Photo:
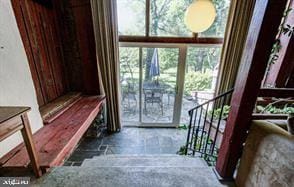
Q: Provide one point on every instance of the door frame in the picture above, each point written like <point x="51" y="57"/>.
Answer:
<point x="179" y="82"/>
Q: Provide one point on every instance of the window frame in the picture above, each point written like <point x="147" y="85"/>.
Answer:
<point x="194" y="39"/>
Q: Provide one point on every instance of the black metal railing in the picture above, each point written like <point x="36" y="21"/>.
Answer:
<point x="207" y="122"/>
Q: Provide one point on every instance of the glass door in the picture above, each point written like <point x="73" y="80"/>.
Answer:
<point x="151" y="79"/>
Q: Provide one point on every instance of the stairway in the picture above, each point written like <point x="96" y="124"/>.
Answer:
<point x="133" y="170"/>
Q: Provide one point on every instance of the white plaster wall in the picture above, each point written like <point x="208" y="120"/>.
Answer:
<point x="16" y="84"/>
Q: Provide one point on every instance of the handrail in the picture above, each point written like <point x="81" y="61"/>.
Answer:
<point x="204" y="137"/>
<point x="213" y="99"/>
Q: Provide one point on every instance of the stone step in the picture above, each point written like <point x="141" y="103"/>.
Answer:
<point x="128" y="176"/>
<point x="144" y="161"/>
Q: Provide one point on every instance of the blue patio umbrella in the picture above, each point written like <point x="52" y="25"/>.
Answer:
<point x="154" y="66"/>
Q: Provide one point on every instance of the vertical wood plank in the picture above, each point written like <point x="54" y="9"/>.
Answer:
<point x="24" y="29"/>
<point x="39" y="31"/>
<point x="86" y="43"/>
<point x="262" y="32"/>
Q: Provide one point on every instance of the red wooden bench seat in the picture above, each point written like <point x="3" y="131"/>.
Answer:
<point x="55" y="141"/>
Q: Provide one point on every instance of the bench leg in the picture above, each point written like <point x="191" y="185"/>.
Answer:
<point x="28" y="140"/>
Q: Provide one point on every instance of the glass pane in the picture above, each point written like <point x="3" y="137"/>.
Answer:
<point x="160" y="66"/>
<point x="200" y="78"/>
<point x="129" y="83"/>
<point x="219" y="26"/>
<point x="167" y="18"/>
<point x="131" y="17"/>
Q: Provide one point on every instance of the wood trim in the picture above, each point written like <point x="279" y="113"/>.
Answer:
<point x="237" y="27"/>
<point x="276" y="92"/>
<point x="153" y="39"/>
<point x="269" y="116"/>
<point x="195" y="35"/>
<point x="263" y="28"/>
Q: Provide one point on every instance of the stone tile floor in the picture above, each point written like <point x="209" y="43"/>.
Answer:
<point x="130" y="140"/>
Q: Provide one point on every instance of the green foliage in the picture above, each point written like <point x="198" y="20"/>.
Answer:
<point x="182" y="150"/>
<point x="210" y="159"/>
<point x="285" y="29"/>
<point x="196" y="81"/>
<point x="202" y="58"/>
<point x="183" y="126"/>
<point x="275" y="110"/>
<point x="217" y="112"/>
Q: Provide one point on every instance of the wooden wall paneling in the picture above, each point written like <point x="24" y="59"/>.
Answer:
<point x="44" y="66"/>
<point x="70" y="47"/>
<point x="24" y="30"/>
<point x="58" y="47"/>
<point x="39" y="34"/>
<point x="49" y="36"/>
<point x="86" y="42"/>
<point x="261" y="37"/>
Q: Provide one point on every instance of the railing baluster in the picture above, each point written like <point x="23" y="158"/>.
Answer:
<point x="197" y="130"/>
<point x="203" y="128"/>
<point x="193" y="133"/>
<point x="209" y="129"/>
<point x="189" y="130"/>
<point x="218" y="123"/>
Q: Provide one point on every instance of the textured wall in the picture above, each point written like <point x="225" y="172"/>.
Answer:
<point x="16" y="84"/>
<point x="267" y="160"/>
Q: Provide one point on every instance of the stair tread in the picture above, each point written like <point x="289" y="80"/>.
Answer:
<point x="141" y="161"/>
<point x="129" y="176"/>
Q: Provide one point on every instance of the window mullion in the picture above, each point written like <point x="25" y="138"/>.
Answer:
<point x="147" y="18"/>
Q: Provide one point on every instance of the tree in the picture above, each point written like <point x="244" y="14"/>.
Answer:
<point x="167" y="19"/>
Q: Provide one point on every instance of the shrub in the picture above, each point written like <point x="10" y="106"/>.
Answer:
<point x="196" y="81"/>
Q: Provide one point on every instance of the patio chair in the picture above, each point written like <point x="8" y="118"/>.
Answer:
<point x="153" y="96"/>
<point x="129" y="93"/>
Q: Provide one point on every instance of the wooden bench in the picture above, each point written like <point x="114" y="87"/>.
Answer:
<point x="56" y="141"/>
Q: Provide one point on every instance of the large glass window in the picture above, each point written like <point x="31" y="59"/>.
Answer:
<point x="167" y="18"/>
<point x="219" y="26"/>
<point x="131" y="17"/>
<point x="201" y="72"/>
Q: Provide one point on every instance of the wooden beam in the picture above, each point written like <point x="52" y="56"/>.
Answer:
<point x="287" y="66"/>
<point x="269" y="116"/>
<point x="280" y="71"/>
<point x="261" y="37"/>
<point x="276" y="92"/>
<point x="154" y="39"/>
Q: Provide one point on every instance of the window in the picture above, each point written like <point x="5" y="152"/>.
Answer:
<point x="131" y="16"/>
<point x="200" y="77"/>
<point x="219" y="26"/>
<point x="165" y="18"/>
<point x="153" y="34"/>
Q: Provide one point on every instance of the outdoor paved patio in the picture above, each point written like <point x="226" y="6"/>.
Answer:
<point x="153" y="114"/>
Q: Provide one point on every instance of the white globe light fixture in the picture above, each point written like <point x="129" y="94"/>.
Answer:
<point x="200" y="15"/>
